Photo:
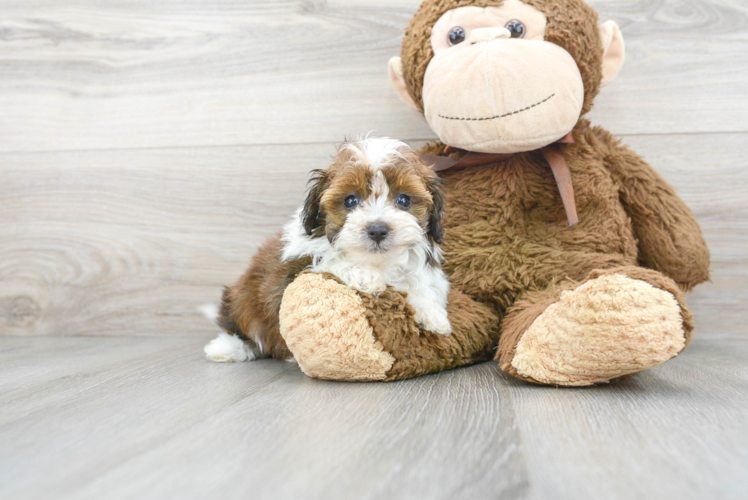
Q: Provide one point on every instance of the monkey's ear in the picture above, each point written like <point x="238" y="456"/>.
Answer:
<point x="398" y="81"/>
<point x="614" y="51"/>
<point x="310" y="214"/>
<point x="435" y="231"/>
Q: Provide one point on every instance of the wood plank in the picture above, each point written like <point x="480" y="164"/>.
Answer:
<point x="133" y="242"/>
<point x="668" y="43"/>
<point x="677" y="431"/>
<point x="100" y="75"/>
<point x="201" y="427"/>
<point x="150" y="418"/>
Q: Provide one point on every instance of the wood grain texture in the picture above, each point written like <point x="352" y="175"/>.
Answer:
<point x="147" y="149"/>
<point x="133" y="242"/>
<point x="98" y="75"/>
<point x="129" y="242"/>
<point x="678" y="432"/>
<point x="150" y="418"/>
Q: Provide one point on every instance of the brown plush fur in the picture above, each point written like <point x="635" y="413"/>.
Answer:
<point x="506" y="235"/>
<point x="250" y="307"/>
<point x="508" y="247"/>
<point x="475" y="332"/>
<point x="506" y="231"/>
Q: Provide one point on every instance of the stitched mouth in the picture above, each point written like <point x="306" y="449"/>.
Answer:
<point x="499" y="116"/>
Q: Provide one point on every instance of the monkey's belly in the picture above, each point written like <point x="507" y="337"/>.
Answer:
<point x="506" y="230"/>
<point x="496" y="263"/>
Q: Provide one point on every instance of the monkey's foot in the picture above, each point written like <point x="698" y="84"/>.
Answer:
<point x="610" y="326"/>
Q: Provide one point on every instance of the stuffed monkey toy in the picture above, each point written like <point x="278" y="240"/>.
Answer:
<point x="568" y="255"/>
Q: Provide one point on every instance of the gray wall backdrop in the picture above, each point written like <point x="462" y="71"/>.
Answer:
<point x="147" y="148"/>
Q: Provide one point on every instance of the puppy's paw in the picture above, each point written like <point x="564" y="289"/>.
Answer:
<point x="433" y="318"/>
<point x="228" y="349"/>
<point x="365" y="280"/>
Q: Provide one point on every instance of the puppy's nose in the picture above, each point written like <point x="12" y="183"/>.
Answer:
<point x="378" y="231"/>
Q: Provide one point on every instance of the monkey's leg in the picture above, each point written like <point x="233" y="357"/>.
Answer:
<point x="616" y="322"/>
<point x="337" y="333"/>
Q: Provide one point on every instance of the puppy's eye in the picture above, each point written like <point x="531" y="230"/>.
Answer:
<point x="457" y="35"/>
<point x="351" y="201"/>
<point x="516" y="28"/>
<point x="403" y="201"/>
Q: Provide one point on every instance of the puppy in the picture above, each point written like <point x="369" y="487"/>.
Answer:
<point x="373" y="219"/>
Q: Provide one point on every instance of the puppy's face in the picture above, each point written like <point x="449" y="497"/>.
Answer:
<point x="377" y="197"/>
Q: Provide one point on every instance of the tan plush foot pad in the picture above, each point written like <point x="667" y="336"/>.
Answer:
<point x="608" y="327"/>
<point x="325" y="325"/>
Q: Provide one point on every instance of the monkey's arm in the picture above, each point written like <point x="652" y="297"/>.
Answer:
<point x="670" y="239"/>
<point x="337" y="333"/>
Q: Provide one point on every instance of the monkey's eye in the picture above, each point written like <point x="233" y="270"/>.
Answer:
<point x="403" y="201"/>
<point x="456" y="35"/>
<point x="516" y="28"/>
<point x="351" y="201"/>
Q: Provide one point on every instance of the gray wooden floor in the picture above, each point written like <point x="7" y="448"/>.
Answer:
<point x="149" y="418"/>
<point x="148" y="148"/>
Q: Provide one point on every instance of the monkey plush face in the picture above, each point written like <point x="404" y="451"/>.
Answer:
<point x="505" y="76"/>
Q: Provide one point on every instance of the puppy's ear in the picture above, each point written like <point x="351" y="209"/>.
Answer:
<point x="435" y="231"/>
<point x="310" y="214"/>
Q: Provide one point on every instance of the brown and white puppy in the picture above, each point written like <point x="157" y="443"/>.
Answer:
<point x="373" y="219"/>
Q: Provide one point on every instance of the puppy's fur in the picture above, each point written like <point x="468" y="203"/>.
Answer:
<point x="372" y="219"/>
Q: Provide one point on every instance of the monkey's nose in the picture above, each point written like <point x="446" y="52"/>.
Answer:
<point x="487" y="34"/>
<point x="378" y="231"/>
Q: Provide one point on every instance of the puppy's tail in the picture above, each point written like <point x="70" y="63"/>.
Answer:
<point x="210" y="312"/>
<point x="221" y="314"/>
<point x="225" y="319"/>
